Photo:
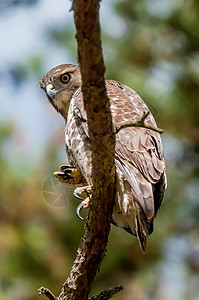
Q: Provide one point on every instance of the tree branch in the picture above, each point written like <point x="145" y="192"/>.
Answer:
<point x="107" y="294"/>
<point x="44" y="291"/>
<point x="92" y="247"/>
<point x="140" y="123"/>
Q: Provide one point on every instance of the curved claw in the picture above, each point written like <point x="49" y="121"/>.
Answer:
<point x="68" y="167"/>
<point x="76" y="195"/>
<point x="67" y="176"/>
<point x="62" y="175"/>
<point x="78" y="210"/>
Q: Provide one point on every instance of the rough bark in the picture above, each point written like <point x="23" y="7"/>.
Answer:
<point x="93" y="245"/>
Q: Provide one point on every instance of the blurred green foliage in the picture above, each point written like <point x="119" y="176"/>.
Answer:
<point x="154" y="48"/>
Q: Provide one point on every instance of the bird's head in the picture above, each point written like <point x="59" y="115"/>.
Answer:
<point x="60" y="83"/>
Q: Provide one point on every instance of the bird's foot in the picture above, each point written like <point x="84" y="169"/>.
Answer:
<point x="68" y="174"/>
<point x="85" y="202"/>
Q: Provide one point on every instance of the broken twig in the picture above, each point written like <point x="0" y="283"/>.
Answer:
<point x="44" y="291"/>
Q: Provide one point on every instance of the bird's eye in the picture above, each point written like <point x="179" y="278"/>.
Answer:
<point x="65" y="77"/>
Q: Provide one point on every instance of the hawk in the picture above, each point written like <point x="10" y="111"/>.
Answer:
<point x="140" y="166"/>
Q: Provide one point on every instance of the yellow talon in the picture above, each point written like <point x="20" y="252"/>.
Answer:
<point x="56" y="175"/>
<point x="69" y="174"/>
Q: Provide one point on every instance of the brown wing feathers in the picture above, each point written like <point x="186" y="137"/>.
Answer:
<point x="138" y="154"/>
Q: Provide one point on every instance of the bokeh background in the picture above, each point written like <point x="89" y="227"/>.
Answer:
<point x="150" y="45"/>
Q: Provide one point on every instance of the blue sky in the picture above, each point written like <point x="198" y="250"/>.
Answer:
<point x="23" y="35"/>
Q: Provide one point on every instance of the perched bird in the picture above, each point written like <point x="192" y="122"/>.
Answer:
<point x="140" y="166"/>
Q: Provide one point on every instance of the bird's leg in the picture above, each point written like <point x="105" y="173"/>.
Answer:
<point x="69" y="174"/>
<point x="85" y="203"/>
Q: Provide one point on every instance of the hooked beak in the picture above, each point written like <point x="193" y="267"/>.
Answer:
<point x="50" y="91"/>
